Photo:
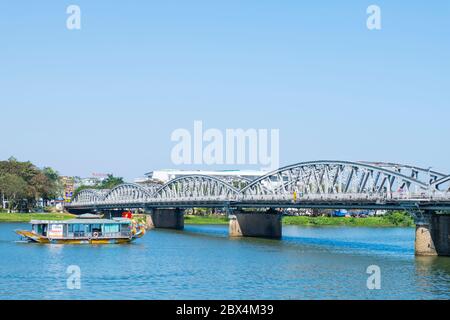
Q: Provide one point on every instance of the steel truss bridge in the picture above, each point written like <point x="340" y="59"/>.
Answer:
<point x="315" y="184"/>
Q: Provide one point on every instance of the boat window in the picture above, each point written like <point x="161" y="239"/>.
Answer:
<point x="78" y="227"/>
<point x="124" y="227"/>
<point x="96" y="228"/>
<point x="110" y="228"/>
<point x="37" y="228"/>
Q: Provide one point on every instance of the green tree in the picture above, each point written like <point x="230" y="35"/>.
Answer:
<point x="399" y="218"/>
<point x="13" y="188"/>
<point x="55" y="186"/>
<point x="111" y="182"/>
<point x="51" y="174"/>
<point x="33" y="182"/>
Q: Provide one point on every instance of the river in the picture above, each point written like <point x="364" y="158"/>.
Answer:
<point x="201" y="262"/>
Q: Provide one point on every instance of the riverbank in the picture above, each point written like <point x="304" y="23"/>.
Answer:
<point x="382" y="222"/>
<point x="395" y="219"/>
<point x="209" y="219"/>
<point x="27" y="217"/>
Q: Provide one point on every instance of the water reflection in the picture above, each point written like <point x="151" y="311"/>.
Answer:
<point x="433" y="274"/>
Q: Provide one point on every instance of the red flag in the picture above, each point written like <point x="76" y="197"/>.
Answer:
<point x="127" y="215"/>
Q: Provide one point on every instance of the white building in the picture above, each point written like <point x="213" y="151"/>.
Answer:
<point x="163" y="176"/>
<point x="87" y="182"/>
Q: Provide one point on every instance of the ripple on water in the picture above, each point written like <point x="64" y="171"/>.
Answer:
<point x="203" y="263"/>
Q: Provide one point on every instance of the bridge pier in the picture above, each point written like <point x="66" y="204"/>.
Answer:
<point x="166" y="219"/>
<point x="432" y="235"/>
<point x="256" y="224"/>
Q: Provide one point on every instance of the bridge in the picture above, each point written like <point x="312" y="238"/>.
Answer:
<point x="254" y="206"/>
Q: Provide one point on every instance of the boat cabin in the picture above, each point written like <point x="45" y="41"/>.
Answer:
<point x="84" y="228"/>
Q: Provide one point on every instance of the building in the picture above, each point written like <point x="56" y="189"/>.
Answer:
<point x="164" y="176"/>
<point x="88" y="182"/>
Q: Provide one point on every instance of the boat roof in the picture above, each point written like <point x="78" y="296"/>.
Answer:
<point x="84" y="221"/>
<point x="90" y="216"/>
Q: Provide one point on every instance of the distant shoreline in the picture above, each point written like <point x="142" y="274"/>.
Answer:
<point x="27" y="217"/>
<point x="400" y="220"/>
<point x="397" y="220"/>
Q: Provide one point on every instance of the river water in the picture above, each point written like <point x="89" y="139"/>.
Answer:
<point x="201" y="262"/>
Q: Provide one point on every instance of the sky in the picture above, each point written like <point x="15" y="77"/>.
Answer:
<point x="107" y="98"/>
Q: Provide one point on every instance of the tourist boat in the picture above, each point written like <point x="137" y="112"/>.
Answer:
<point x="86" y="229"/>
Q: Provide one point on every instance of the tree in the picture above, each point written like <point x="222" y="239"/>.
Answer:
<point x="25" y="181"/>
<point x="14" y="188"/>
<point x="54" y="184"/>
<point x="51" y="174"/>
<point x="111" y="182"/>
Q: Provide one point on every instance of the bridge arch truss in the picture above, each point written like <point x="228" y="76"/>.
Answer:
<point x="199" y="187"/>
<point x="338" y="182"/>
<point x="89" y="196"/>
<point x="334" y="177"/>
<point x="128" y="192"/>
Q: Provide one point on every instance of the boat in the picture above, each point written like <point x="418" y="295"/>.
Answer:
<point x="85" y="229"/>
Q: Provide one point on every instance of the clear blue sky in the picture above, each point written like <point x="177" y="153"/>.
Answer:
<point x="106" y="98"/>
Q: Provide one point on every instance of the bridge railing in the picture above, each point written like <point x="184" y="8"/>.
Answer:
<point x="194" y="199"/>
<point x="279" y="198"/>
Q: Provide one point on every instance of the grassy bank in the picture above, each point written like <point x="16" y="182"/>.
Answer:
<point x="349" y="222"/>
<point x="27" y="217"/>
<point x="210" y="219"/>
<point x="395" y="219"/>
